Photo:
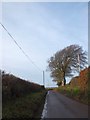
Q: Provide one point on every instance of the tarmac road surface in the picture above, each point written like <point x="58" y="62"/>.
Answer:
<point x="60" y="106"/>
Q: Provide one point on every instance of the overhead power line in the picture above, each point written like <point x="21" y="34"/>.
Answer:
<point x="20" y="47"/>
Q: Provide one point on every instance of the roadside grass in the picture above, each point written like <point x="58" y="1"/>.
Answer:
<point x="28" y="106"/>
<point x="75" y="93"/>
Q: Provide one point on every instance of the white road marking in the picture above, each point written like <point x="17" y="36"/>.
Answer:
<point x="48" y="93"/>
<point x="44" y="113"/>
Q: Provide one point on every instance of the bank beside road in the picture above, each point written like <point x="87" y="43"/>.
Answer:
<point x="60" y="106"/>
<point x="21" y="99"/>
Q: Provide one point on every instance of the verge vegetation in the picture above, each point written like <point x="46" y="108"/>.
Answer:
<point x="21" y="99"/>
<point x="78" y="88"/>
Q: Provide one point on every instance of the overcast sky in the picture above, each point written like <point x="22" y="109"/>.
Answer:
<point x="41" y="29"/>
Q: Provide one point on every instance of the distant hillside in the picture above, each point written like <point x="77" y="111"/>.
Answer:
<point x="13" y="87"/>
<point x="82" y="80"/>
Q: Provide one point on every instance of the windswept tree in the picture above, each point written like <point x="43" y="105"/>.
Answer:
<point x="66" y="62"/>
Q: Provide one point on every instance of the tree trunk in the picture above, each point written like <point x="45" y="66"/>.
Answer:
<point x="64" y="81"/>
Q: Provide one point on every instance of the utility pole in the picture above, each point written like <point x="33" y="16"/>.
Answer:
<point x="79" y="62"/>
<point x="43" y="79"/>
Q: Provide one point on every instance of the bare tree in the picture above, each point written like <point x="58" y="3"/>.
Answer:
<point x="64" y="62"/>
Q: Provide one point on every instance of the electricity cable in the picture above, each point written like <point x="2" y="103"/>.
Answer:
<point x="20" y="47"/>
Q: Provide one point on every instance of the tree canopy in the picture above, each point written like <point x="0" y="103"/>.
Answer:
<point x="67" y="61"/>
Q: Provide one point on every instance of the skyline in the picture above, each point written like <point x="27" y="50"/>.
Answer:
<point x="41" y="29"/>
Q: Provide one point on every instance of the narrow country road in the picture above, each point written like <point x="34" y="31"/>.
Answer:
<point x="60" y="106"/>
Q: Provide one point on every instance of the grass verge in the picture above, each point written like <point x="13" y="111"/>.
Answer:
<point x="75" y="93"/>
<point x="25" y="107"/>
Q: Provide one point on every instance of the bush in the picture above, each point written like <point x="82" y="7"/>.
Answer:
<point x="24" y="107"/>
<point x="82" y="81"/>
<point x="14" y="87"/>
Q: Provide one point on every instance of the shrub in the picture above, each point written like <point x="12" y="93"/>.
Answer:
<point x="14" y="87"/>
